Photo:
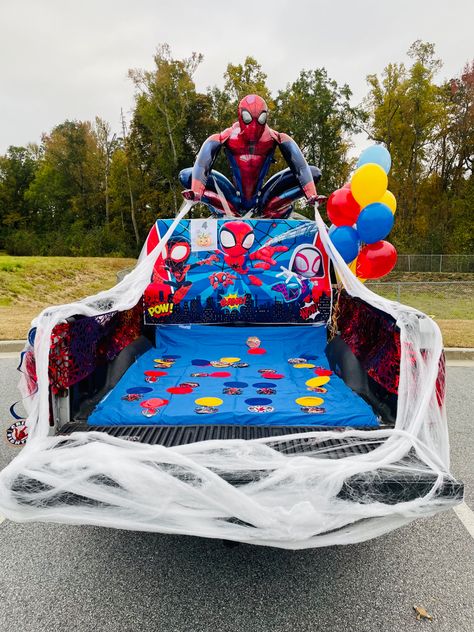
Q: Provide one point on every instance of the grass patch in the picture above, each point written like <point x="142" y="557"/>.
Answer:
<point x="457" y="333"/>
<point x="29" y="284"/>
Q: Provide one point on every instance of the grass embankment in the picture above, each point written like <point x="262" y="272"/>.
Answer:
<point x="29" y="284"/>
<point x="447" y="297"/>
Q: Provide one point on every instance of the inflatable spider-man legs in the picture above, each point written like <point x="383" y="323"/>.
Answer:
<point x="217" y="185"/>
<point x="274" y="200"/>
<point x="279" y="193"/>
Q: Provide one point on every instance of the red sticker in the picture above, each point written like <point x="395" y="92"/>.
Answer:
<point x="155" y="373"/>
<point x="179" y="390"/>
<point x="154" y="402"/>
<point x="257" y="351"/>
<point x="220" y="374"/>
<point x="322" y="372"/>
<point x="272" y="376"/>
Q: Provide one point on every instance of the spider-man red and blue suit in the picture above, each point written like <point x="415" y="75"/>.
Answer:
<point x="242" y="261"/>
<point x="250" y="146"/>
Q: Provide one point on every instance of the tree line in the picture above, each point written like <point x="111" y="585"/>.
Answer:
<point x="84" y="190"/>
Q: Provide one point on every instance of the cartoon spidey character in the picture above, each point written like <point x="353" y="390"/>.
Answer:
<point x="236" y="239"/>
<point x="221" y="279"/>
<point x="250" y="145"/>
<point x="175" y="262"/>
<point x="301" y="278"/>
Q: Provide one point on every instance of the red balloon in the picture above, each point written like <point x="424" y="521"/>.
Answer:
<point x="376" y="260"/>
<point x="343" y="210"/>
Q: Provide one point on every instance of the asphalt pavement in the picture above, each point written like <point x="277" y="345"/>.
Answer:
<point x="59" y="578"/>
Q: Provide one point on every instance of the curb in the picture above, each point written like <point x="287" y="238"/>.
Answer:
<point x="12" y="346"/>
<point x="452" y="353"/>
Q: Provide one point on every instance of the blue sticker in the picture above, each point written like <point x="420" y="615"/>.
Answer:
<point x="236" y="384"/>
<point x="139" y="390"/>
<point x="264" y="385"/>
<point x="258" y="401"/>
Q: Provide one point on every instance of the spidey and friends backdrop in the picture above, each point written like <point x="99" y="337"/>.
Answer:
<point x="218" y="271"/>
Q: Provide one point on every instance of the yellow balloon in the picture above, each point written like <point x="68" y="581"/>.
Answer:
<point x="389" y="200"/>
<point x="353" y="269"/>
<point x="368" y="184"/>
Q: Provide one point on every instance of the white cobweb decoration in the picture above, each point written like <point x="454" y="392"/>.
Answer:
<point x="252" y="491"/>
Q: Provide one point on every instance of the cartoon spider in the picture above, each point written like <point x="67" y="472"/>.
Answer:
<point x="175" y="263"/>
<point x="236" y="239"/>
<point x="221" y="279"/>
<point x="301" y="277"/>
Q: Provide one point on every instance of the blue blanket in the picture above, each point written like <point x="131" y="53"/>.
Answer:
<point x="200" y="374"/>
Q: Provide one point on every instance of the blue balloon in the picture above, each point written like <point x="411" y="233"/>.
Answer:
<point x="374" y="222"/>
<point x="332" y="228"/>
<point x="346" y="241"/>
<point x="377" y="154"/>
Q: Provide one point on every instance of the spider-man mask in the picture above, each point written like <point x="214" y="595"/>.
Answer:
<point x="178" y="251"/>
<point x="236" y="238"/>
<point x="253" y="112"/>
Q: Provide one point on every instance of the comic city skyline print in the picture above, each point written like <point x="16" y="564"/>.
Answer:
<point x="219" y="271"/>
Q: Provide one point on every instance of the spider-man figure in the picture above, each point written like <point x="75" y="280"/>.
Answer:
<point x="236" y="239"/>
<point x="250" y="146"/>
<point x="302" y="276"/>
<point x="175" y="262"/>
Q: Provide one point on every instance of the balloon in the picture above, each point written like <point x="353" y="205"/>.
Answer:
<point x="376" y="260"/>
<point x="368" y="184"/>
<point x="342" y="209"/>
<point x="347" y="185"/>
<point x="376" y="154"/>
<point x="389" y="199"/>
<point x="353" y="268"/>
<point x="375" y="222"/>
<point x="332" y="228"/>
<point x="346" y="241"/>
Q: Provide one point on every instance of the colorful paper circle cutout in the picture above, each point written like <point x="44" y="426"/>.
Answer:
<point x="264" y="384"/>
<point x="208" y="401"/>
<point x="230" y="360"/>
<point x="220" y="374"/>
<point x="199" y="362"/>
<point x="273" y="376"/>
<point x="304" y="365"/>
<point x="138" y="390"/>
<point x="321" y="371"/>
<point x="236" y="384"/>
<point x="258" y="401"/>
<point x="155" y="373"/>
<point x="179" y="390"/>
<point x="154" y="402"/>
<point x="309" y="401"/>
<point x="256" y="351"/>
<point x="317" y="381"/>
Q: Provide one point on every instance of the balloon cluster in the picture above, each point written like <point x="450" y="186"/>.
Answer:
<point x="362" y="215"/>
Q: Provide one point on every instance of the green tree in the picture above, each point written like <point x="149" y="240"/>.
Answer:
<point x="17" y="171"/>
<point x="161" y="143"/>
<point x="407" y="114"/>
<point x="317" y="113"/>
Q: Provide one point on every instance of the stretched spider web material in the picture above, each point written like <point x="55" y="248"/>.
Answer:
<point x="279" y="499"/>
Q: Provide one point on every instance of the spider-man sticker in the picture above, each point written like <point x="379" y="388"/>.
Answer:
<point x="17" y="433"/>
<point x="261" y="271"/>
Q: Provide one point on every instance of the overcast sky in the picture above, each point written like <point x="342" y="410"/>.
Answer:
<point x="69" y="59"/>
